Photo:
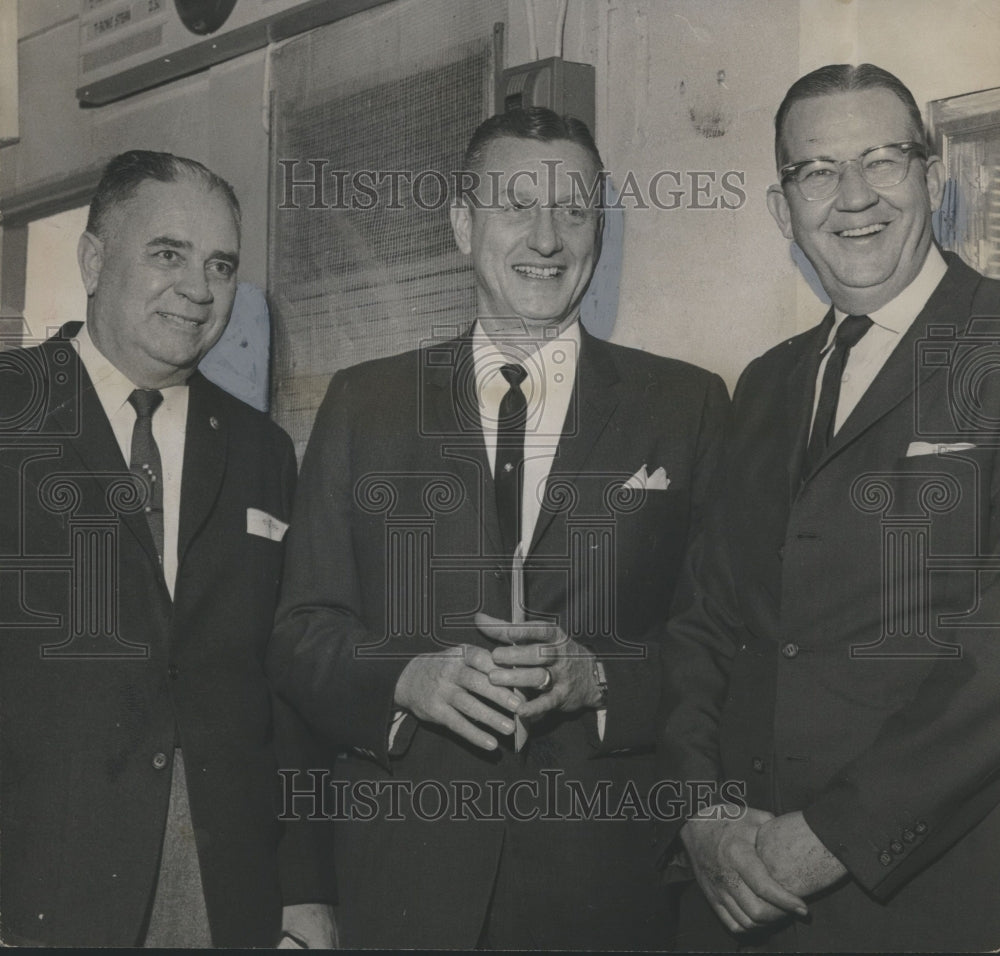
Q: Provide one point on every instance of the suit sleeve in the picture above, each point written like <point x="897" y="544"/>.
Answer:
<point x="304" y="868"/>
<point x="697" y="652"/>
<point x="313" y="659"/>
<point x="934" y="770"/>
<point x="635" y="686"/>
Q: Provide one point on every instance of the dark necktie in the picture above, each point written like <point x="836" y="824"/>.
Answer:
<point x="508" y="471"/>
<point x="849" y="333"/>
<point x="146" y="460"/>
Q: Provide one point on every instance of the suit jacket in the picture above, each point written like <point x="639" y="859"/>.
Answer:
<point x="98" y="666"/>
<point x="842" y="658"/>
<point x="395" y="545"/>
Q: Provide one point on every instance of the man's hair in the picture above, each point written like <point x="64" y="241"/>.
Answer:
<point x="844" y="78"/>
<point x="535" y="122"/>
<point x="123" y="176"/>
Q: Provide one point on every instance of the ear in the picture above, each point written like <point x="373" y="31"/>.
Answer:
<point x="935" y="176"/>
<point x="90" y="256"/>
<point x="778" y="206"/>
<point x="461" y="226"/>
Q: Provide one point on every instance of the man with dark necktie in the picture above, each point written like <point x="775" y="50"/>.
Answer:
<point x="141" y="521"/>
<point x="523" y="482"/>
<point x="842" y="662"/>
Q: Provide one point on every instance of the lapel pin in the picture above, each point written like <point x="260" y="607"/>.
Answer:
<point x="214" y="422"/>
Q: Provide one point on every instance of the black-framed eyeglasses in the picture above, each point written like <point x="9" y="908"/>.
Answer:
<point x="880" y="166"/>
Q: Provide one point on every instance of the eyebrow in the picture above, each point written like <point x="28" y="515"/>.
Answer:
<point x="563" y="197"/>
<point x="172" y="243"/>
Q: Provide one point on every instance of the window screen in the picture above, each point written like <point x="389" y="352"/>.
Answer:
<point x="370" y="117"/>
<point x="974" y="166"/>
<point x="967" y="133"/>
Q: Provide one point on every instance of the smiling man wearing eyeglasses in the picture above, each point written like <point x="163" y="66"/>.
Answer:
<point x="857" y="192"/>
<point x="843" y="661"/>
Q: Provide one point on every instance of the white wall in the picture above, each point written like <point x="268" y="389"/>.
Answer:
<point x="718" y="287"/>
<point x="54" y="292"/>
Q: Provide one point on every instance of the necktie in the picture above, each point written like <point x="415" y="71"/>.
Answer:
<point x="508" y="470"/>
<point x="849" y="333"/>
<point x="508" y="482"/>
<point x="146" y="460"/>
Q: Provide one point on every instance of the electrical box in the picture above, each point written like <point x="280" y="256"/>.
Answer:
<point x="562" y="86"/>
<point x="130" y="45"/>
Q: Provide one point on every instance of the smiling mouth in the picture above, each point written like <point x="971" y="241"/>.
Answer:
<point x="861" y="231"/>
<point x="182" y="320"/>
<point x="539" y="272"/>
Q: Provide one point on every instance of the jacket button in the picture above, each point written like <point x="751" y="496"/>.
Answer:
<point x="790" y="650"/>
<point x="885" y="858"/>
<point x="172" y="672"/>
<point x="909" y="835"/>
<point x="758" y="765"/>
<point x="896" y="847"/>
<point x="920" y="828"/>
<point x="781" y="553"/>
<point x="159" y="761"/>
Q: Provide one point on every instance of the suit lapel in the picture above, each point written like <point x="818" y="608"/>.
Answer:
<point x="594" y="399"/>
<point x="902" y="372"/>
<point x="451" y="410"/>
<point x="800" y="396"/>
<point x="77" y="411"/>
<point x="205" y="447"/>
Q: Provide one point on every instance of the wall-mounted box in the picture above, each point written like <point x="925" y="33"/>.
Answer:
<point x="130" y="45"/>
<point x="562" y="86"/>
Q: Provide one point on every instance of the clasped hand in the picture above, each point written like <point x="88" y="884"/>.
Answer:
<point x="472" y="692"/>
<point x="754" y="868"/>
<point x="535" y="656"/>
<point x="453" y="688"/>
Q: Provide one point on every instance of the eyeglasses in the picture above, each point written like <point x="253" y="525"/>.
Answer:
<point x="880" y="166"/>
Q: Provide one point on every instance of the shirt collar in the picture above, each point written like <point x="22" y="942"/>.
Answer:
<point x="112" y="386"/>
<point x="899" y="314"/>
<point x="488" y="357"/>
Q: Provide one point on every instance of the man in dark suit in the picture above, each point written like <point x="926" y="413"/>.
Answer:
<point x="522" y="482"/>
<point x="842" y="658"/>
<point x="142" y="519"/>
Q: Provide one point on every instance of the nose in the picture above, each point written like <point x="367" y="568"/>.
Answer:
<point x="193" y="285"/>
<point x="854" y="192"/>
<point x="544" y="237"/>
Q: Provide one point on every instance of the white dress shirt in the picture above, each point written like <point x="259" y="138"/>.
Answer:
<point x="548" y="387"/>
<point x="889" y="325"/>
<point x="169" y="423"/>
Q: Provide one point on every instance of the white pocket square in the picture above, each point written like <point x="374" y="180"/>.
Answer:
<point x="641" y="481"/>
<point x="928" y="448"/>
<point x="265" y="525"/>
